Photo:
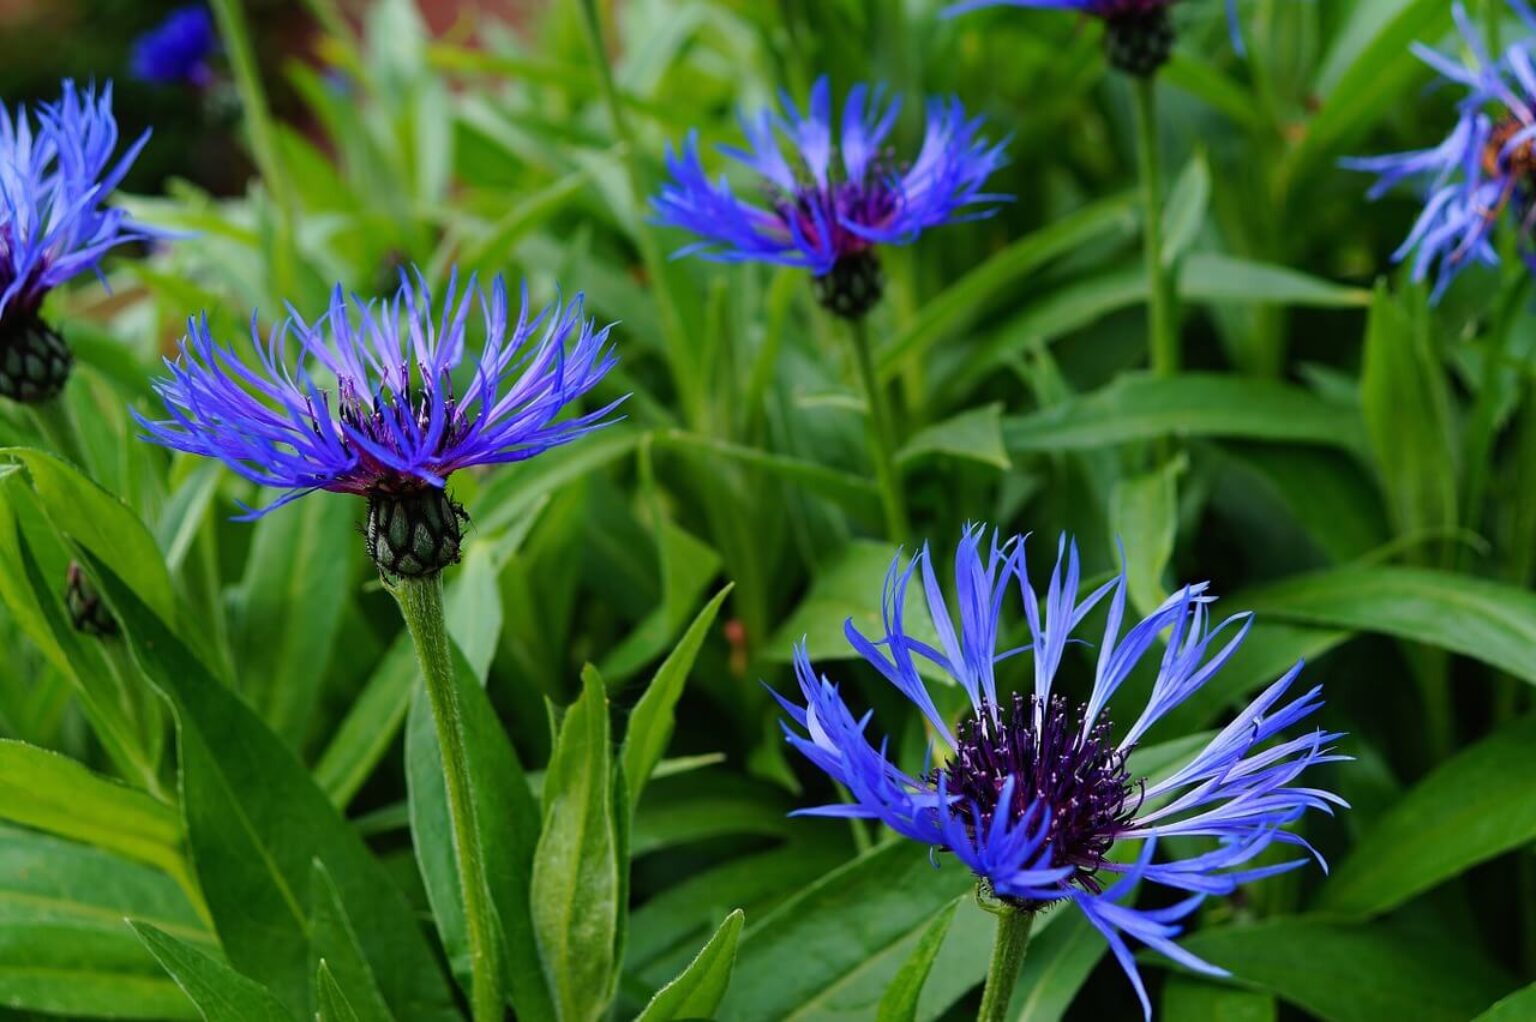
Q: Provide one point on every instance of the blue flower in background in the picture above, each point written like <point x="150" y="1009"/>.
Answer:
<point x="58" y="164"/>
<point x="1140" y="36"/>
<point x="837" y="194"/>
<point x="369" y="405"/>
<point x="176" y="51"/>
<point x="1038" y="791"/>
<point x="1485" y="166"/>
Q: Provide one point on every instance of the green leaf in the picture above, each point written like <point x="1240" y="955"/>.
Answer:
<point x="220" y="993"/>
<point x="1058" y="964"/>
<point x="975" y="435"/>
<point x="63" y="946"/>
<point x="336" y="952"/>
<point x="53" y="793"/>
<point x="857" y="494"/>
<point x="1519" y="1006"/>
<point x="1488" y="621"/>
<point x="1143" y="518"/>
<point x="507" y="814"/>
<point x="1185" y="212"/>
<point x="1343" y="973"/>
<point x="102" y="524"/>
<point x="287" y="609"/>
<point x="687" y="567"/>
<point x="801" y="955"/>
<point x="697" y="992"/>
<point x="849" y="587"/>
<point x="1474" y="807"/>
<point x="331" y="1003"/>
<point x="1407" y="413"/>
<point x="959" y="305"/>
<point x="900" y="1001"/>
<point x="652" y="720"/>
<point x="1187" y="999"/>
<point x="127" y="722"/>
<point x="256" y="822"/>
<point x="1215" y="277"/>
<point x="576" y="873"/>
<point x="1139" y="407"/>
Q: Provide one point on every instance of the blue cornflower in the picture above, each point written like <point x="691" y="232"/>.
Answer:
<point x="1036" y="791"/>
<point x="1140" y="32"/>
<point x="176" y="51"/>
<point x="827" y="204"/>
<point x="1487" y="164"/>
<point x="369" y="406"/>
<point x="58" y="164"/>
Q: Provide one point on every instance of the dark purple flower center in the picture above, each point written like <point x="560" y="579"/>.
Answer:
<point x="378" y="419"/>
<point x="1082" y="779"/>
<point x="819" y="213"/>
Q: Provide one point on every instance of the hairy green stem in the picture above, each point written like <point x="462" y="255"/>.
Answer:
<point x="421" y="603"/>
<point x="1162" y="332"/>
<point x="1013" y="927"/>
<point x="881" y="436"/>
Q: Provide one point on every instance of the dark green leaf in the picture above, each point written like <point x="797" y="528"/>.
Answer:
<point x="697" y="992"/>
<point x="801" y="955"/>
<point x="1343" y="973"/>
<point x="576" y="875"/>
<point x="1519" y="1006"/>
<point x="1194" y="404"/>
<point x="1408" y="418"/>
<point x="651" y="721"/>
<point x="1187" y="999"/>
<point x="1472" y="808"/>
<point x="64" y="948"/>
<point x="900" y="1001"/>
<point x="1488" y="621"/>
<point x="220" y="993"/>
<point x="256" y="822"/>
<point x="337" y="953"/>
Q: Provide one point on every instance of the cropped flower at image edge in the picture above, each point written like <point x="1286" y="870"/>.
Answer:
<point x="1037" y="791"/>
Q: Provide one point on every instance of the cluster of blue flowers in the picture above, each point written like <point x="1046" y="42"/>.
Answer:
<point x="384" y="399"/>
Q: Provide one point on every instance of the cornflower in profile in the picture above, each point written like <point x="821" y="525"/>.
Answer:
<point x="836" y="195"/>
<point x="1484" y="168"/>
<point x="370" y="405"/>
<point x="1036" y="792"/>
<point x="58" y="164"/>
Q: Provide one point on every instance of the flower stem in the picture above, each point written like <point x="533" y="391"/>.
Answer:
<point x="1162" y="332"/>
<point x="57" y="427"/>
<point x="421" y="603"/>
<point x="1013" y="926"/>
<point x="881" y="436"/>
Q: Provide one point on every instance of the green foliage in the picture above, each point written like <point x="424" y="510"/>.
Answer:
<point x="250" y="775"/>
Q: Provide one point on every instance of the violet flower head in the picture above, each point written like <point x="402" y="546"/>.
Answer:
<point x="59" y="162"/>
<point x="1485" y="167"/>
<point x="835" y="192"/>
<point x="383" y="399"/>
<point x="1035" y="793"/>
<point x="176" y="51"/>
